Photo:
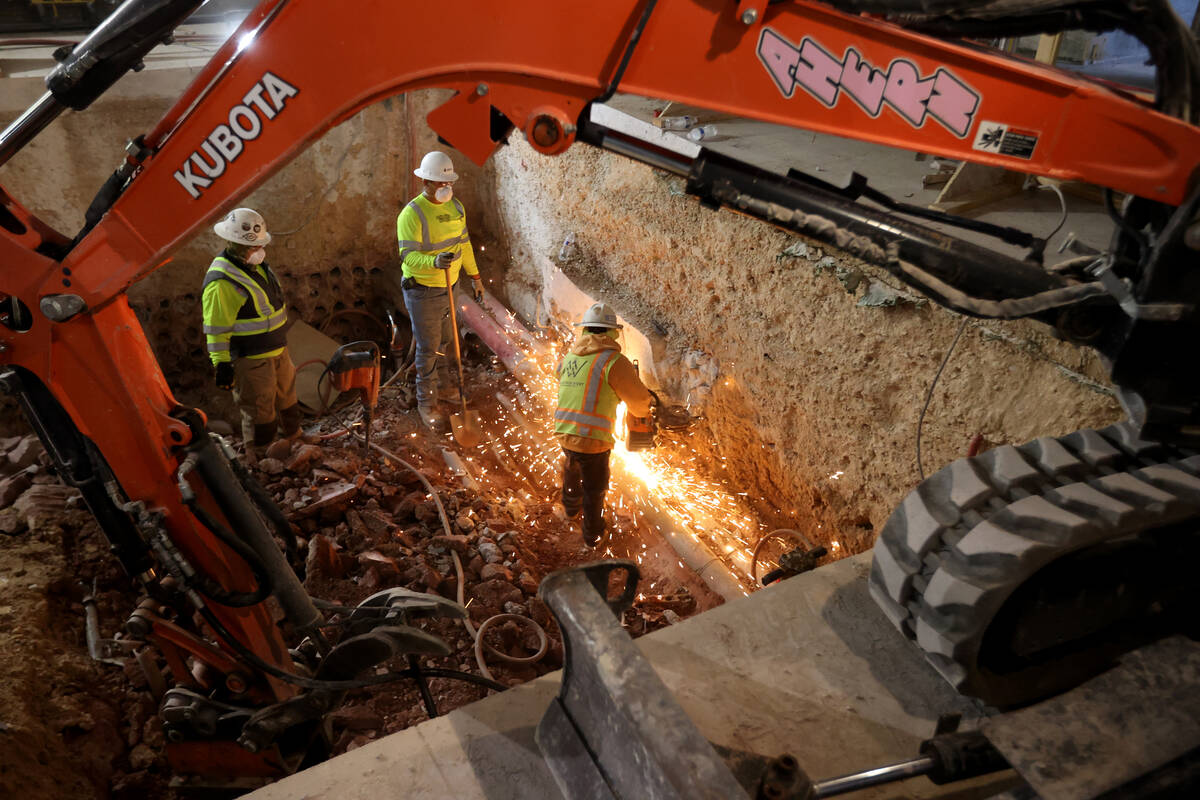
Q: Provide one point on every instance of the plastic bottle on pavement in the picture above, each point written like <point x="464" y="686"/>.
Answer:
<point x="677" y="123"/>
<point x="702" y="133"/>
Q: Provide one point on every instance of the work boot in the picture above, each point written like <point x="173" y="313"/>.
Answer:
<point x="264" y="433"/>
<point x="451" y="396"/>
<point x="289" y="423"/>
<point x="572" y="505"/>
<point x="432" y="418"/>
<point x="593" y="532"/>
<point x="591" y="539"/>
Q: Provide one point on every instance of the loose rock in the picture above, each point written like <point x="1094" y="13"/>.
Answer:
<point x="495" y="572"/>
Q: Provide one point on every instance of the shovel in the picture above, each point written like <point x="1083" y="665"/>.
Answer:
<point x="465" y="426"/>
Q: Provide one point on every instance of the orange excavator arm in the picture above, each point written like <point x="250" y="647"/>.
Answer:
<point x="76" y="354"/>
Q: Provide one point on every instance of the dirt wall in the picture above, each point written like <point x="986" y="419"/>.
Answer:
<point x="811" y="398"/>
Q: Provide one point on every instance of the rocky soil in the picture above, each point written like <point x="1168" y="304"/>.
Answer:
<point x="73" y="727"/>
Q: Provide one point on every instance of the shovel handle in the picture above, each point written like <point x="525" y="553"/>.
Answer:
<point x="462" y="390"/>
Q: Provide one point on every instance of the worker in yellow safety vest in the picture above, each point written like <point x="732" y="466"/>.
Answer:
<point x="245" y="324"/>
<point x="434" y="245"/>
<point x="592" y="379"/>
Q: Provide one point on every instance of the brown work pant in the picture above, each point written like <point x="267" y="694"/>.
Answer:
<point x="263" y="387"/>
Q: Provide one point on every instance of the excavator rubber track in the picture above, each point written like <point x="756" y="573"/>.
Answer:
<point x="1025" y="570"/>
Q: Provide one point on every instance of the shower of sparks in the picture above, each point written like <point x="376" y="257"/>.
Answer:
<point x="650" y="488"/>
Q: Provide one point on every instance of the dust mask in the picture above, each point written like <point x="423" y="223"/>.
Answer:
<point x="256" y="258"/>
<point x="443" y="194"/>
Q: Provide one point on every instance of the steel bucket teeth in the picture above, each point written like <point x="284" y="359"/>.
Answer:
<point x="385" y="642"/>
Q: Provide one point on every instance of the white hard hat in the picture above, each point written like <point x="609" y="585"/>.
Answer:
<point x="436" y="166"/>
<point x="598" y="316"/>
<point x="243" y="226"/>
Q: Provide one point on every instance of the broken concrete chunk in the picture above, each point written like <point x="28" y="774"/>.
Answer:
<point x="490" y="551"/>
<point x="377" y="523"/>
<point x="357" y="526"/>
<point x="43" y="501"/>
<point x="343" y="466"/>
<point x="428" y="576"/>
<point x="333" y="497"/>
<point x="527" y="583"/>
<point x="465" y="523"/>
<point x="490" y="597"/>
<point x="387" y="563"/>
<point x="495" y="572"/>
<point x="427" y="513"/>
<point x="271" y="466"/>
<point x="458" y="544"/>
<point x="304" y="457"/>
<point x="13" y="487"/>
<point x="323" y="560"/>
<point x="12" y="523"/>
<point x="25" y="452"/>
<point x="280" y="449"/>
<point x="142" y="756"/>
<point x="793" y="250"/>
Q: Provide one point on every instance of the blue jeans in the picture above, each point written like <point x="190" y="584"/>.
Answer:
<point x="429" y="312"/>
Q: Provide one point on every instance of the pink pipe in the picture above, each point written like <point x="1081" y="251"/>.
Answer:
<point x="512" y="326"/>
<point x="520" y="361"/>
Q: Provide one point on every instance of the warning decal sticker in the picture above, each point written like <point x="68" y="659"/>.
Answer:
<point x="996" y="137"/>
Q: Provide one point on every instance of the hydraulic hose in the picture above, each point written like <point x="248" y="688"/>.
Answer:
<point x="270" y="510"/>
<point x="206" y="584"/>
<point x="775" y="534"/>
<point x="209" y="587"/>
<point x="314" y="683"/>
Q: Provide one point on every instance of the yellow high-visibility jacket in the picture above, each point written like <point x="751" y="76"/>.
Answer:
<point x="244" y="312"/>
<point x="424" y="229"/>
<point x="592" y="379"/>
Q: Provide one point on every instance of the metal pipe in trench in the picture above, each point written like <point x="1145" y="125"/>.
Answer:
<point x="698" y="557"/>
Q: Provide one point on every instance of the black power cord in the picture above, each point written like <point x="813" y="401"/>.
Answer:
<point x="929" y="395"/>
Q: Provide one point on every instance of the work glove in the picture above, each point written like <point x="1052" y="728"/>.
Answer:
<point x="443" y="260"/>
<point x="225" y="375"/>
<point x="477" y="290"/>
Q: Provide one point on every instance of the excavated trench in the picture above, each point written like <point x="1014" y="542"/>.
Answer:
<point x="805" y="405"/>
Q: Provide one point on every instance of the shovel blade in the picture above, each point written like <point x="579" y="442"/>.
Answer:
<point x="466" y="429"/>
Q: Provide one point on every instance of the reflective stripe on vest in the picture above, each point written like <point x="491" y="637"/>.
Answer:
<point x="587" y="406"/>
<point x="258" y="328"/>
<point x="426" y="246"/>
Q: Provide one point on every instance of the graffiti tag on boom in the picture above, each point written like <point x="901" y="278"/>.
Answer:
<point x="824" y="76"/>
